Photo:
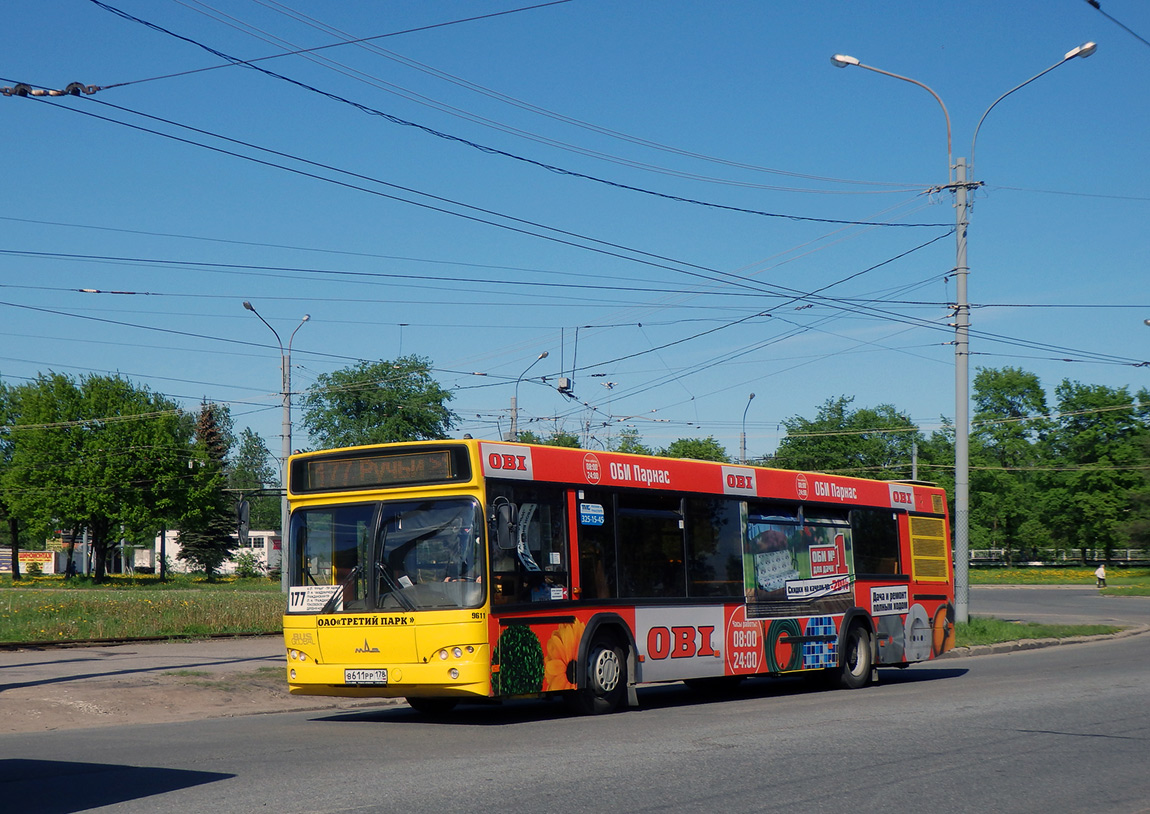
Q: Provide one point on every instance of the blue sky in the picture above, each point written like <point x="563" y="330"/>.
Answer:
<point x="682" y="203"/>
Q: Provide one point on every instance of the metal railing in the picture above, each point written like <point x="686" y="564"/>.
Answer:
<point x="1056" y="556"/>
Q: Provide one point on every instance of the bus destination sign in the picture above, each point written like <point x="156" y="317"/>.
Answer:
<point x="377" y="471"/>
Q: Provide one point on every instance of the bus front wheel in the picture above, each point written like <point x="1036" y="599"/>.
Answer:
<point x="857" y="662"/>
<point x="606" y="679"/>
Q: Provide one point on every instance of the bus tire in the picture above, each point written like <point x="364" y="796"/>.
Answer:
<point x="857" y="662"/>
<point x="606" y="679"/>
<point x="432" y="707"/>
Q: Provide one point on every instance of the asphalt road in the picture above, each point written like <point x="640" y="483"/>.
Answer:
<point x="1063" y="729"/>
<point x="1068" y="604"/>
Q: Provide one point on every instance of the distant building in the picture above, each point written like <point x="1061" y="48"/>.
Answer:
<point x="264" y="545"/>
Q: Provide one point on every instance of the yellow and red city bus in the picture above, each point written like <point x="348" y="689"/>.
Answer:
<point x="450" y="571"/>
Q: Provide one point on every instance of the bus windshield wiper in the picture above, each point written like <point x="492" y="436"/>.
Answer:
<point x="330" y="605"/>
<point x="394" y="587"/>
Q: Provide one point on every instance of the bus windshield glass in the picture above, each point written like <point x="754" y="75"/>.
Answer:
<point x="404" y="555"/>
<point x="430" y="555"/>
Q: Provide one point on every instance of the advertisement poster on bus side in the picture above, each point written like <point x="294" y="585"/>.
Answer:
<point x="683" y="642"/>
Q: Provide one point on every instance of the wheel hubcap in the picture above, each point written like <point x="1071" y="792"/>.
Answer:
<point x="606" y="670"/>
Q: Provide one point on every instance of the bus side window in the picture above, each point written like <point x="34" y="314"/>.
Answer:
<point x="536" y="568"/>
<point x="596" y="546"/>
<point x="875" y="533"/>
<point x="651" y="545"/>
<point x="714" y="547"/>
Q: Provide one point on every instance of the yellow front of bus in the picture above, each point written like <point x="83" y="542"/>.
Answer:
<point x="387" y="582"/>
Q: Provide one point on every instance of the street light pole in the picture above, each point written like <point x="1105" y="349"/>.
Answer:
<point x="960" y="185"/>
<point x="285" y="435"/>
<point x="515" y="399"/>
<point x="743" y="435"/>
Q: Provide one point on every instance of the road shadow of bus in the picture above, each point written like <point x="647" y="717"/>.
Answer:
<point x="61" y="787"/>
<point x="651" y="697"/>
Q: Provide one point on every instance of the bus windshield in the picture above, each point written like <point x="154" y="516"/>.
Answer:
<point x="404" y="555"/>
<point x="430" y="555"/>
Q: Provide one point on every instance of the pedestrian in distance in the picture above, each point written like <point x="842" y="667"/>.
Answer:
<point x="1100" y="575"/>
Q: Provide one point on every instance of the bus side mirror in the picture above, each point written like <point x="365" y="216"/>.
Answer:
<point x="505" y="516"/>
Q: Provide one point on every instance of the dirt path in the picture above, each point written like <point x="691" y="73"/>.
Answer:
<point x="54" y="689"/>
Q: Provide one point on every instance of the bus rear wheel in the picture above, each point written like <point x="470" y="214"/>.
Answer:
<point x="606" y="679"/>
<point x="854" y="671"/>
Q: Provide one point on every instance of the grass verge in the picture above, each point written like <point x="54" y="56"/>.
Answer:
<point x="47" y="609"/>
<point x="1120" y="581"/>
<point x="989" y="630"/>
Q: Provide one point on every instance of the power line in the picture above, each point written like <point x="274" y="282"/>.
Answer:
<point x="1118" y="23"/>
<point x="1076" y="194"/>
<point x="609" y="251"/>
<point x="494" y="150"/>
<point x="421" y="99"/>
<point x="709" y="274"/>
<point x="355" y="275"/>
<point x="358" y="41"/>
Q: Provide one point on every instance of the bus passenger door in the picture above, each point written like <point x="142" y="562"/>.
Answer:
<point x="595" y="518"/>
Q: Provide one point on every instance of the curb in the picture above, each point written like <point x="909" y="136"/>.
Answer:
<point x="1036" y="644"/>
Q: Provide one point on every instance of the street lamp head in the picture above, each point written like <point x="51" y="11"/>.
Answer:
<point x="543" y="355"/>
<point x="248" y="306"/>
<point x="751" y="397"/>
<point x="1084" y="50"/>
<point x="306" y="317"/>
<point x="842" y="60"/>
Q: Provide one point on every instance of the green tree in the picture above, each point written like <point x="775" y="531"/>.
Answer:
<point x="100" y="453"/>
<point x="1098" y="444"/>
<point x="563" y="438"/>
<point x="936" y="458"/>
<point x="869" y="442"/>
<point x="628" y="440"/>
<point x="252" y="475"/>
<point x="557" y="438"/>
<point x="1136" y="527"/>
<point x="700" y="449"/>
<point x="1005" y="450"/>
<point x="210" y="518"/>
<point x="378" y="402"/>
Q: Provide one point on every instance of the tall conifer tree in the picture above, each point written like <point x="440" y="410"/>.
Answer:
<point x="205" y="533"/>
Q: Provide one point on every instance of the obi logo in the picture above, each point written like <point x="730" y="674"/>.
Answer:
<point x="901" y="497"/>
<point x="741" y="481"/>
<point x="505" y="462"/>
<point x="801" y="486"/>
<point x="738" y="480"/>
<point x="680" y="642"/>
